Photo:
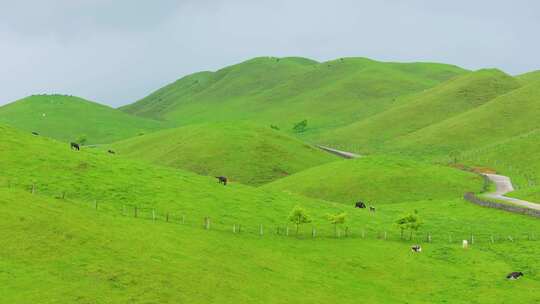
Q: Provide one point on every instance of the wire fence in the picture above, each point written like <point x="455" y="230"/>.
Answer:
<point x="308" y="231"/>
<point x="301" y="232"/>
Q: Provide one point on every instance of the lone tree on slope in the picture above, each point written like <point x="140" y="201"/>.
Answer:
<point x="409" y="222"/>
<point x="337" y="219"/>
<point x="298" y="216"/>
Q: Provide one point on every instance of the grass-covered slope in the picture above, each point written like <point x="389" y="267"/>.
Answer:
<point x="245" y="153"/>
<point x="379" y="180"/>
<point x="285" y="91"/>
<point x="530" y="77"/>
<point x="115" y="182"/>
<point x="61" y="252"/>
<point x="243" y="79"/>
<point x="449" y="99"/>
<point x="67" y="118"/>
<point x="504" y="117"/>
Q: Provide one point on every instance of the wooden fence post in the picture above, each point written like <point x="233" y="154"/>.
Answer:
<point x="363" y="233"/>
<point x="234" y="228"/>
<point x="154" y="215"/>
<point x="183" y="219"/>
<point x="135" y="212"/>
<point x="167" y="217"/>
<point x="33" y="188"/>
<point x="96" y="203"/>
<point x="313" y="232"/>
<point x="287" y="230"/>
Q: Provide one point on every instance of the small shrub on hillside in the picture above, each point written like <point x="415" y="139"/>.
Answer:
<point x="300" y="127"/>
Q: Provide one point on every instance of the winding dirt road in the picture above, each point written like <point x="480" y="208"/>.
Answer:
<point x="504" y="186"/>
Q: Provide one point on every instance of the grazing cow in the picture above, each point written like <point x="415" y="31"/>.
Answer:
<point x="514" y="275"/>
<point x="371" y="209"/>
<point x="35" y="133"/>
<point x="75" y="146"/>
<point x="416" y="248"/>
<point x="111" y="151"/>
<point x="360" y="205"/>
<point x="222" y="180"/>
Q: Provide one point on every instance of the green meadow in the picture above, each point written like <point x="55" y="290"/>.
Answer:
<point x="137" y="215"/>
<point x="245" y="153"/>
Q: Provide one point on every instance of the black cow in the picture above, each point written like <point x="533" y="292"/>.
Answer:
<point x="75" y="146"/>
<point x="416" y="248"/>
<point x="514" y="275"/>
<point x="371" y="208"/>
<point x="360" y="204"/>
<point x="222" y="180"/>
<point x="35" y="133"/>
<point x="111" y="151"/>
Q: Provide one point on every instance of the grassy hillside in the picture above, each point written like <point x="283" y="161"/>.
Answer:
<point x="243" y="152"/>
<point x="247" y="78"/>
<point x="114" y="182"/>
<point x="442" y="102"/>
<point x="504" y="117"/>
<point x="55" y="252"/>
<point x="379" y="180"/>
<point x="533" y="76"/>
<point x="288" y="90"/>
<point x="109" y="256"/>
<point x="67" y="118"/>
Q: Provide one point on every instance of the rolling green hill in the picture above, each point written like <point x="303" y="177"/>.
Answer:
<point x="67" y="118"/>
<point x="504" y="117"/>
<point x="288" y="90"/>
<point x="243" y="152"/>
<point x="115" y="182"/>
<point x="442" y="102"/>
<point x="108" y="255"/>
<point x="87" y="256"/>
<point x="533" y="76"/>
<point x="379" y="180"/>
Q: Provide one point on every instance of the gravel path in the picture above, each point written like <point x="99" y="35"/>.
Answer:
<point x="344" y="154"/>
<point x="504" y="185"/>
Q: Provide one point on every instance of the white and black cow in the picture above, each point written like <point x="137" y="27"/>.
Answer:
<point x="514" y="275"/>
<point x="416" y="248"/>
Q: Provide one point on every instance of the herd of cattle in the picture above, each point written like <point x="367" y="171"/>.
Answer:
<point x="223" y="180"/>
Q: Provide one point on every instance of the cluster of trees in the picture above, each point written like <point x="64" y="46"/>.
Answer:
<point x="299" y="216"/>
<point x="408" y="223"/>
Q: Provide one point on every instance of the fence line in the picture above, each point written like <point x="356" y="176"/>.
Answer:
<point x="324" y="232"/>
<point x="327" y="232"/>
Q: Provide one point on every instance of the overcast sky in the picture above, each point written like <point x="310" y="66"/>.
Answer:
<point x="117" y="51"/>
